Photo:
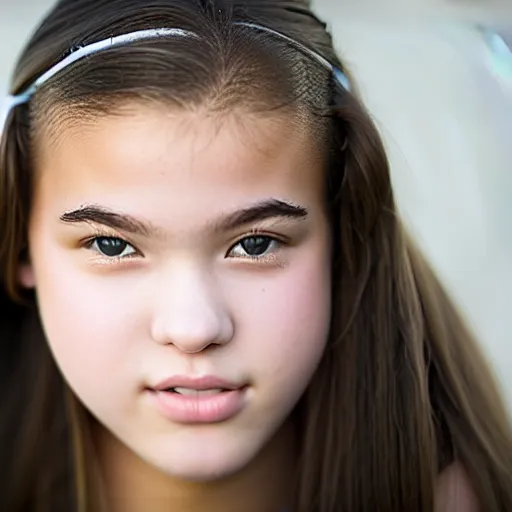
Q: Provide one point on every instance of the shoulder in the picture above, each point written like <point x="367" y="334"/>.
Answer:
<point x="454" y="492"/>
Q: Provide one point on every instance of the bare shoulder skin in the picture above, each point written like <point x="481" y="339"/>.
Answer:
<point x="455" y="492"/>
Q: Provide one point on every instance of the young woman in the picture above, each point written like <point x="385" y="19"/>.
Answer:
<point x="208" y="300"/>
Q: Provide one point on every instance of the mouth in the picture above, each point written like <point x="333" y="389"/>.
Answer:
<point x="196" y="392"/>
<point x="185" y="385"/>
<point x="200" y="400"/>
<point x="198" y="406"/>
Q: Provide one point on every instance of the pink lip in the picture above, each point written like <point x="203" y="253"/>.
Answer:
<point x="198" y="383"/>
<point x="200" y="409"/>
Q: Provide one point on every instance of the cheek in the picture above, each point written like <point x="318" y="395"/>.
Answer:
<point x="88" y="319"/>
<point x="285" y="324"/>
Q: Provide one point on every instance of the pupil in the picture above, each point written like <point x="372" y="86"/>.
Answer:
<point x="255" y="245"/>
<point x="111" y="246"/>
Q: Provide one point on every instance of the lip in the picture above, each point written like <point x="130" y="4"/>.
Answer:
<point x="199" y="409"/>
<point x="197" y="383"/>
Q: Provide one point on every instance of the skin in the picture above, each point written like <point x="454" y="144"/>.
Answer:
<point x="187" y="300"/>
<point x="454" y="491"/>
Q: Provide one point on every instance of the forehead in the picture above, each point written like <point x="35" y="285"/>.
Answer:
<point x="173" y="158"/>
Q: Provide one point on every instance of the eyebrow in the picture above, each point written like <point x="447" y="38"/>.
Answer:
<point x="100" y="215"/>
<point x="263" y="210"/>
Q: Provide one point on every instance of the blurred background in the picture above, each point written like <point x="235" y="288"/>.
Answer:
<point x="437" y="77"/>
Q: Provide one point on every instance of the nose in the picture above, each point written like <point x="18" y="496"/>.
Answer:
<point x="190" y="312"/>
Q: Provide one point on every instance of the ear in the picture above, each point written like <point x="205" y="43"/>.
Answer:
<point x="26" y="277"/>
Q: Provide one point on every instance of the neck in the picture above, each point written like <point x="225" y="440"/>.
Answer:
<point x="132" y="485"/>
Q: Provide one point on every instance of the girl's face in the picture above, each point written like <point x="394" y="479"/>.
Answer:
<point x="177" y="250"/>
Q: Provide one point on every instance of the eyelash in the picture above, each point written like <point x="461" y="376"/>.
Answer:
<point x="279" y="242"/>
<point x="254" y="234"/>
<point x="101" y="258"/>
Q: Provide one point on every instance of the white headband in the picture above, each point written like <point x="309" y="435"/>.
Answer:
<point x="12" y="101"/>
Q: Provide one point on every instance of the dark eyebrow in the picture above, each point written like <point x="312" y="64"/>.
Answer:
<point x="263" y="210"/>
<point x="268" y="209"/>
<point x="100" y="215"/>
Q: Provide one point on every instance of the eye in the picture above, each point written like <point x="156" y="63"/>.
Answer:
<point x="112" y="247"/>
<point x="253" y="247"/>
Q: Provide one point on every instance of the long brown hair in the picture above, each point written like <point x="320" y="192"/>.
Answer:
<point x="403" y="389"/>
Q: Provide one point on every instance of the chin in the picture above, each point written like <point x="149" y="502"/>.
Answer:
<point x="205" y="462"/>
<point x="204" y="469"/>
